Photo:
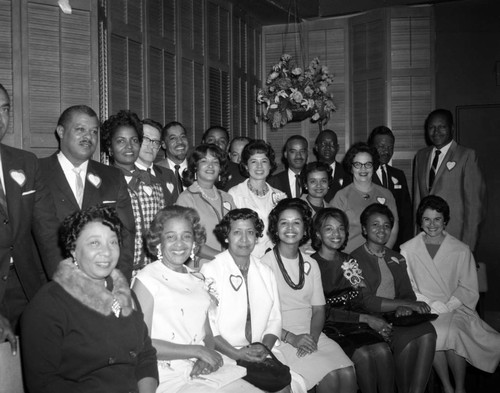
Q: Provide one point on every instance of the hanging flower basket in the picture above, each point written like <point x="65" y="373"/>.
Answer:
<point x="292" y="94"/>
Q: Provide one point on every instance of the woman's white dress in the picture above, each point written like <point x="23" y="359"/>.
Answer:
<point x="448" y="283"/>
<point x="181" y="305"/>
<point x="296" y="311"/>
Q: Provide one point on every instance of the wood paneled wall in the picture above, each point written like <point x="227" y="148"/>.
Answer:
<point x="383" y="66"/>
<point x="193" y="61"/>
<point x="48" y="61"/>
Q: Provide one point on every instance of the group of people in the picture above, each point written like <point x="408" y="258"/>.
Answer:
<point x="180" y="274"/>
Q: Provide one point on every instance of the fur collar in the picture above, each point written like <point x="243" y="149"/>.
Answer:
<point x="92" y="294"/>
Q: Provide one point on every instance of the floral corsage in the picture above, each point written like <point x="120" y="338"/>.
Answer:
<point x="352" y="272"/>
<point x="210" y="288"/>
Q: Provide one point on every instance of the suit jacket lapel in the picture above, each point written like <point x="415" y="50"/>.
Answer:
<point x="60" y="180"/>
<point x="447" y="158"/>
<point x="424" y="170"/>
<point x="93" y="181"/>
<point x="13" y="190"/>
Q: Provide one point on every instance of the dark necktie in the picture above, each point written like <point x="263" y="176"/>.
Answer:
<point x="179" y="179"/>
<point x="385" y="180"/>
<point x="298" y="188"/>
<point x="432" y="172"/>
<point x="3" y="201"/>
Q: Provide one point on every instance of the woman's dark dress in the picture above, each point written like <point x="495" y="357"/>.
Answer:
<point x="342" y="305"/>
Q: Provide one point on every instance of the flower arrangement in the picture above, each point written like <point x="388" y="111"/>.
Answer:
<point x="290" y="89"/>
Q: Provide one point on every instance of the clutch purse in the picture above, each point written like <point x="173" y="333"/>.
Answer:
<point x="409" y="320"/>
<point x="269" y="375"/>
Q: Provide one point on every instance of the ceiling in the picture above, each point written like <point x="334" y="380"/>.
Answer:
<point x="273" y="12"/>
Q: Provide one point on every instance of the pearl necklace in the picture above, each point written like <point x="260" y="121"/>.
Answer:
<point x="216" y="197"/>
<point x="259" y="193"/>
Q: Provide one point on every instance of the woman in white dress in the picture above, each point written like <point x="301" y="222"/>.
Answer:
<point x="175" y="303"/>
<point x="248" y="310"/>
<point x="308" y="352"/>
<point x="443" y="274"/>
<point x="257" y="162"/>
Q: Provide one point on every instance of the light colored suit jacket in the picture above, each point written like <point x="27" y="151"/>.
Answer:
<point x="460" y="183"/>
<point x="229" y="318"/>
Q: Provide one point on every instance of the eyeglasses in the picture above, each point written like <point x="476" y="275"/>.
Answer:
<point x="148" y="141"/>
<point x="366" y="165"/>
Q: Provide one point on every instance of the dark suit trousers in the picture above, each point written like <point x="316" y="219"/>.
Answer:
<point x="14" y="300"/>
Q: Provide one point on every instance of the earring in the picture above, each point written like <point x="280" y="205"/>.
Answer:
<point x="192" y="254"/>
<point x="75" y="262"/>
<point x="159" y="255"/>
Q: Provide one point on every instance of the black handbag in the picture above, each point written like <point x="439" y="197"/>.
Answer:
<point x="270" y="375"/>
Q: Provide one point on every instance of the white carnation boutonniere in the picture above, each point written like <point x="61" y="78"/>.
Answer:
<point x="352" y="272"/>
<point x="277" y="196"/>
<point x="212" y="291"/>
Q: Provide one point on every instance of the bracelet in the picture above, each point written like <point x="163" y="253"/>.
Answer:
<point x="284" y="338"/>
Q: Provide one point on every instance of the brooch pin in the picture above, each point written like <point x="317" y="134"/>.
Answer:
<point x="94" y="179"/>
<point x="18" y="176"/>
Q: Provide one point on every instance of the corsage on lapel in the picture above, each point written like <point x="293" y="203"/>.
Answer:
<point x="227" y="205"/>
<point x="341" y="182"/>
<point x="396" y="260"/>
<point x="381" y="200"/>
<point x="18" y="176"/>
<point x="450" y="165"/>
<point x="94" y="180"/>
<point x="277" y="196"/>
<point x="170" y="187"/>
<point x="396" y="184"/>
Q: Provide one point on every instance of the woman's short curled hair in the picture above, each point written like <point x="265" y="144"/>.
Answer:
<point x="436" y="203"/>
<point x="223" y="228"/>
<point x="357" y="148"/>
<point x="316" y="166"/>
<point x="73" y="225"/>
<point x="376" y="208"/>
<point x="320" y="219"/>
<point x="254" y="147"/>
<point x="296" y="204"/>
<point x="124" y="118"/>
<point x="155" y="232"/>
<point x="200" y="152"/>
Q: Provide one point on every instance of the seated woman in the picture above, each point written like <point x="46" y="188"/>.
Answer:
<point x="355" y="332"/>
<point x="443" y="274"/>
<point x="387" y="289"/>
<point x="308" y="352"/>
<point x="249" y="308"/>
<point x="82" y="332"/>
<point x="257" y="162"/>
<point x="361" y="161"/>
<point x="206" y="169"/>
<point x="316" y="178"/>
<point x="121" y="137"/>
<point x="175" y="303"/>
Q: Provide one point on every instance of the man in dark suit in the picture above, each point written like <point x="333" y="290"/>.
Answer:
<point x="326" y="148"/>
<point x="394" y="180"/>
<point x="26" y="218"/>
<point x="450" y="171"/>
<point x="77" y="182"/>
<point x="175" y="142"/>
<point x="151" y="143"/>
<point x="235" y="149"/>
<point x="295" y="153"/>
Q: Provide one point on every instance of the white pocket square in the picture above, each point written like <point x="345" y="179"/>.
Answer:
<point x="108" y="201"/>
<point x="28" y="192"/>
<point x="397" y="186"/>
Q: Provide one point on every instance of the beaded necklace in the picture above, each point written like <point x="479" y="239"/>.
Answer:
<point x="206" y="196"/>
<point x="258" y="192"/>
<point x="287" y="278"/>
